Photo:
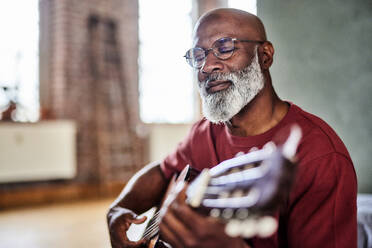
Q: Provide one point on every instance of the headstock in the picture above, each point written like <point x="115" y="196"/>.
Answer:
<point x="245" y="190"/>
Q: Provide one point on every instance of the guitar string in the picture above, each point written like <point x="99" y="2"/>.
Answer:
<point x="153" y="227"/>
<point x="151" y="234"/>
<point x="150" y="230"/>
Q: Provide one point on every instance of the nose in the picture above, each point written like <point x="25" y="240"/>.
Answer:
<point x="211" y="64"/>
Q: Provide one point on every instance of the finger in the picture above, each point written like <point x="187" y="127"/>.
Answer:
<point x="192" y="228"/>
<point x="123" y="240"/>
<point x="176" y="225"/>
<point x="269" y="145"/>
<point x="169" y="235"/>
<point x="193" y="220"/>
<point x="138" y="220"/>
<point x="134" y="220"/>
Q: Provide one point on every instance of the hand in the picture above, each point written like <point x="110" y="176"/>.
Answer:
<point x="183" y="227"/>
<point x="119" y="220"/>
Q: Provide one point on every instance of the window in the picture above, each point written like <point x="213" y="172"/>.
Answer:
<point x="19" y="57"/>
<point x="167" y="88"/>
<point x="166" y="81"/>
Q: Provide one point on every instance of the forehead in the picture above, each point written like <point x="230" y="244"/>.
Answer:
<point x="208" y="32"/>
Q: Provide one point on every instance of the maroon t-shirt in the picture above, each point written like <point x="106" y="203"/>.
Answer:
<point x="321" y="209"/>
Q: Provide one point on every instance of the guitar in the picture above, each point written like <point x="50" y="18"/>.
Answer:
<point x="243" y="191"/>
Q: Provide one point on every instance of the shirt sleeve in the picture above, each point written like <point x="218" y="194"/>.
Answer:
<point x="179" y="158"/>
<point x="322" y="206"/>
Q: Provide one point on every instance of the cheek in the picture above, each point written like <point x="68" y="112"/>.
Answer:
<point x="242" y="60"/>
<point x="201" y="77"/>
<point x="240" y="64"/>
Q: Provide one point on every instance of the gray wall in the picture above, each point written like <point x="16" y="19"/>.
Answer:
<point x="323" y="62"/>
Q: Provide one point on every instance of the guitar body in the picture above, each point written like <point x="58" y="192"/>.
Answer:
<point x="157" y="243"/>
<point x="153" y="242"/>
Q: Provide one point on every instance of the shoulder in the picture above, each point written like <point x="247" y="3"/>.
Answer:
<point x="319" y="139"/>
<point x="324" y="163"/>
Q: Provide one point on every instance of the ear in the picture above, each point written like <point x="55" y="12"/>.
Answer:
<point x="266" y="50"/>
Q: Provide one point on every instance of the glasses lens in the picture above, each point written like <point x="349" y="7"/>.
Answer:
<point x="195" y="57"/>
<point x="223" y="48"/>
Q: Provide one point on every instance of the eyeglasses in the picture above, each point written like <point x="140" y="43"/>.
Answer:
<point x="222" y="48"/>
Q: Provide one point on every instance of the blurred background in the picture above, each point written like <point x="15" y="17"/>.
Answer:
<point x="92" y="90"/>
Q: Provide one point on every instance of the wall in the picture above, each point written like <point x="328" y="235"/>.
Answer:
<point x="89" y="74"/>
<point x="164" y="138"/>
<point x="323" y="63"/>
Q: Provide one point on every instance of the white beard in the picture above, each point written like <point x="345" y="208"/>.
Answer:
<point x="221" y="106"/>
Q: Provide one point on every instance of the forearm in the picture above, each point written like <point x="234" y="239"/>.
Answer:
<point x="143" y="191"/>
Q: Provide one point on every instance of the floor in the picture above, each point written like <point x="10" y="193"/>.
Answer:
<point x="79" y="224"/>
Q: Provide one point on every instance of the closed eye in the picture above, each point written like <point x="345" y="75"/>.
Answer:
<point x="199" y="58"/>
<point x="225" y="49"/>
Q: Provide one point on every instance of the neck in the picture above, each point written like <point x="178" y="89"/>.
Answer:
<point x="260" y="115"/>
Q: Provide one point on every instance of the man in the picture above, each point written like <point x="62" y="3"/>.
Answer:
<point x="232" y="57"/>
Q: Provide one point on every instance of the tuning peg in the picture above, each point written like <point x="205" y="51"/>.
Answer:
<point x="235" y="170"/>
<point x="248" y="166"/>
<point x="237" y="193"/>
<point x="233" y="228"/>
<point x="227" y="213"/>
<point x="253" y="149"/>
<point x="292" y="142"/>
<point x="239" y="154"/>
<point x="262" y="227"/>
<point x="242" y="213"/>
<point x="270" y="146"/>
<point x="215" y="212"/>
<point x="199" y="189"/>
<point x="249" y="228"/>
<point x="223" y="195"/>
<point x="266" y="226"/>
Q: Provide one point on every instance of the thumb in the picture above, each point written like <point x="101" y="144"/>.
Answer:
<point x="138" y="220"/>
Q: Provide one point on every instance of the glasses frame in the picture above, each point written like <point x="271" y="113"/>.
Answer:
<point x="207" y="51"/>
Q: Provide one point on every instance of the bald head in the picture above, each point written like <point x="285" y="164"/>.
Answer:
<point x="238" y="22"/>
<point x="237" y="70"/>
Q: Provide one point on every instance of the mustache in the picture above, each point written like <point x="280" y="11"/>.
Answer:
<point x="226" y="76"/>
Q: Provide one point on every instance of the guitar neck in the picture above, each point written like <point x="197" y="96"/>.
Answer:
<point x="152" y="228"/>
